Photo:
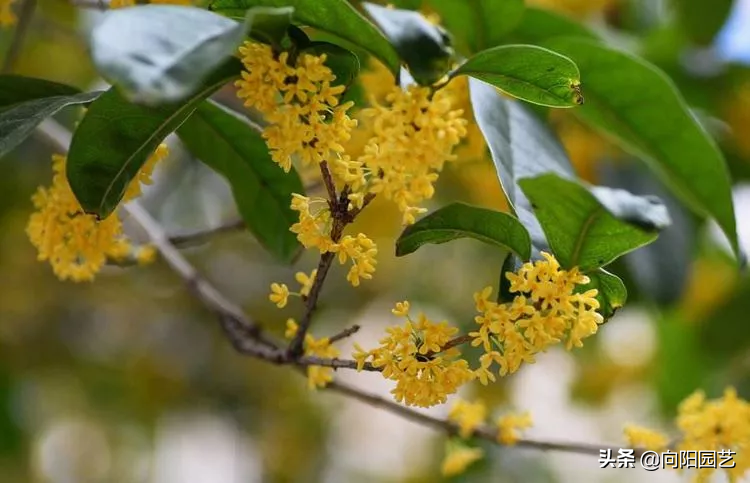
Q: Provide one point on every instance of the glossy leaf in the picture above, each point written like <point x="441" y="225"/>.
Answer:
<point x="459" y="220"/>
<point x="116" y="137"/>
<point x="423" y="46"/>
<point x="262" y="191"/>
<point x="661" y="269"/>
<point x="18" y="121"/>
<point x="642" y="109"/>
<point x="612" y="292"/>
<point x="15" y="89"/>
<point x="162" y="53"/>
<point x="521" y="146"/>
<point x="581" y="231"/>
<point x="337" y="17"/>
<point x="479" y="24"/>
<point x="531" y="73"/>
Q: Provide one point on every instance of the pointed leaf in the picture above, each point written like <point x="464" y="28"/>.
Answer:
<point x="15" y="89"/>
<point x="423" y="46"/>
<point x="459" y="220"/>
<point x="521" y="147"/>
<point x="262" y="191"/>
<point x="612" y="292"/>
<point x="641" y="108"/>
<point x="337" y="17"/>
<point x="18" y="121"/>
<point x="116" y="137"/>
<point x="479" y="24"/>
<point x="162" y="53"/>
<point x="583" y="233"/>
<point x="531" y="73"/>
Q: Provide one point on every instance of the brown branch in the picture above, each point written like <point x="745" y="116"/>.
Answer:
<point x="211" y="297"/>
<point x="95" y="4"/>
<point x="348" y="332"/>
<point x="449" y="427"/>
<point x="19" y="36"/>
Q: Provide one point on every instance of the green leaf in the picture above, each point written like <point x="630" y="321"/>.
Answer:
<point x="459" y="220"/>
<point x="581" y="231"/>
<point x="479" y="24"/>
<point x="270" y="25"/>
<point x="521" y="146"/>
<point x="15" y="89"/>
<point x="531" y="73"/>
<point x="337" y="17"/>
<point x="612" y="292"/>
<point x="19" y="121"/>
<point x="538" y="25"/>
<point x="262" y="191"/>
<point x="423" y="46"/>
<point x="702" y="20"/>
<point x="116" y="137"/>
<point x="343" y="62"/>
<point x="163" y="53"/>
<point x="642" y="109"/>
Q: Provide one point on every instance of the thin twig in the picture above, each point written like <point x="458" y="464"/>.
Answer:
<point x="94" y="4"/>
<point x="451" y="428"/>
<point x="201" y="236"/>
<point x="348" y="332"/>
<point x="19" y="36"/>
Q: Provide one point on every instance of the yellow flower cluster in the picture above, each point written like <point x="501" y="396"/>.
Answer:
<point x="415" y="131"/>
<point x="280" y="292"/>
<point x="78" y="245"/>
<point x="639" y="437"/>
<point x="468" y="416"/>
<point x="458" y="457"/>
<point x="509" y="426"/>
<point x="314" y="231"/>
<point x="300" y="104"/>
<point x="545" y="311"/>
<point x="721" y="424"/>
<point x="7" y="17"/>
<point x="317" y="376"/>
<point x="413" y="356"/>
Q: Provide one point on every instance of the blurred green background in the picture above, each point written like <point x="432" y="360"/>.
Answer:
<point x="129" y="380"/>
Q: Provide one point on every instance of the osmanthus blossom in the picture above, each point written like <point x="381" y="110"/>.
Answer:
<point x="77" y="245"/>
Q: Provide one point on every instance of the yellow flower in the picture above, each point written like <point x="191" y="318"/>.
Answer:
<point x="362" y="251"/>
<point x="411" y="355"/>
<point x="415" y="132"/>
<point x="716" y="425"/>
<point x="114" y="4"/>
<point x="77" y="245"/>
<point x="7" y="17"/>
<point x="401" y="309"/>
<point x="279" y="294"/>
<point x="468" y="416"/>
<point x="545" y="311"/>
<point x="144" y="175"/>
<point x="301" y="105"/>
<point x="640" y="437"/>
<point x="145" y="255"/>
<point x="509" y="426"/>
<point x="458" y="458"/>
<point x="306" y="281"/>
<point x="317" y="376"/>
